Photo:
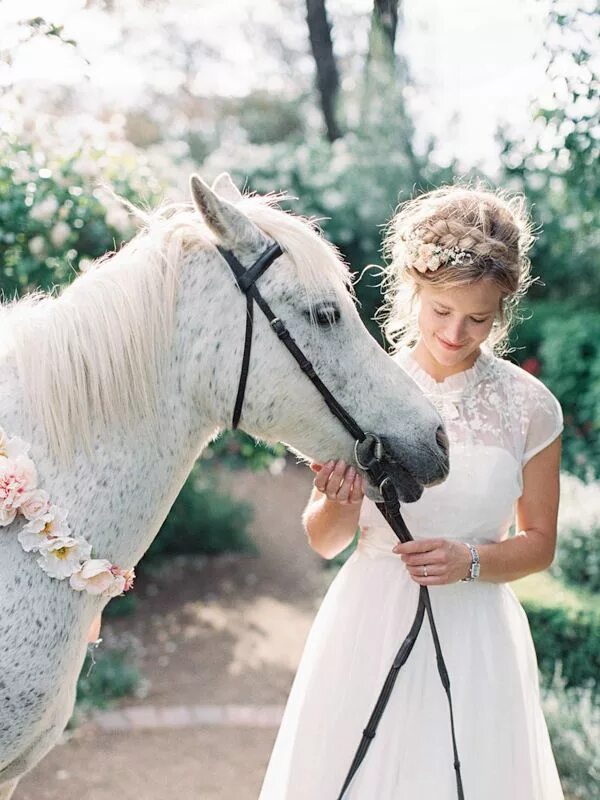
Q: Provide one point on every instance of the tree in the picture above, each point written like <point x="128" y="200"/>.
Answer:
<point x="558" y="167"/>
<point x="319" y="30"/>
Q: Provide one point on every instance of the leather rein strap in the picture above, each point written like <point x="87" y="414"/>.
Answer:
<point x="368" y="454"/>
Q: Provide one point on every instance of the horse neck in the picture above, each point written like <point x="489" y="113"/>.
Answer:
<point x="118" y="499"/>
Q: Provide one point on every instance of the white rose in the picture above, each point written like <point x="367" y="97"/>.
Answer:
<point x="37" y="246"/>
<point x="35" y="504"/>
<point x="7" y="516"/>
<point x="13" y="447"/>
<point x="61" y="557"/>
<point x="51" y="524"/>
<point x="44" y="211"/>
<point x="59" y="234"/>
<point x="96" y="577"/>
<point x="118" y="218"/>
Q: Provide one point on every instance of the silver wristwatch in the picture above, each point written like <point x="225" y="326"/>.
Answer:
<point x="474" y="571"/>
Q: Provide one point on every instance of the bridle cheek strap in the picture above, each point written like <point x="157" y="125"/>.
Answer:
<point x="368" y="454"/>
<point x="246" y="280"/>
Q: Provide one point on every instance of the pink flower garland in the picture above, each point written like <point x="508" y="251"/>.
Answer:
<point x="47" y="532"/>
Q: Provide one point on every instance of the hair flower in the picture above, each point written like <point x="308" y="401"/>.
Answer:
<point x="424" y="256"/>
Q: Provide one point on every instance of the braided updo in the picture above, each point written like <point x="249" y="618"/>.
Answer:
<point x="492" y="227"/>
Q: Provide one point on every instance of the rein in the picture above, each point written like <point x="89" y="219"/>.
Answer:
<point x="368" y="453"/>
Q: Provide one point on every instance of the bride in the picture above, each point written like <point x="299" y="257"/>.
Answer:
<point x="457" y="271"/>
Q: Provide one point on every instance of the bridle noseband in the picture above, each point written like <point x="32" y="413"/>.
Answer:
<point x="368" y="454"/>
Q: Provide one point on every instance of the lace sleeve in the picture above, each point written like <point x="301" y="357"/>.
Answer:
<point x="545" y="420"/>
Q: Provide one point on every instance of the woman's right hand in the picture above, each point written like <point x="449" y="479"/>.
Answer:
<point x="340" y="483"/>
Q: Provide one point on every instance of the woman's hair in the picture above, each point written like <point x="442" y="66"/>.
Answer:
<point x="492" y="226"/>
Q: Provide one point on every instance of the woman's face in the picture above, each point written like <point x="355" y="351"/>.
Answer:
<point x="461" y="316"/>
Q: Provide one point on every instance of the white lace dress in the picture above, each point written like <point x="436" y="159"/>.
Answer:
<point x="497" y="417"/>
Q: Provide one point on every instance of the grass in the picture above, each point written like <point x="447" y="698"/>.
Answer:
<point x="541" y="588"/>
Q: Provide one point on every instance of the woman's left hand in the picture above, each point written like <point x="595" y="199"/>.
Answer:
<point x="447" y="560"/>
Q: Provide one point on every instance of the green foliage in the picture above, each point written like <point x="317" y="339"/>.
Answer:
<point x="578" y="558"/>
<point x="52" y="218"/>
<point x="570" y="358"/>
<point x="560" y="169"/>
<point x="237" y="450"/>
<point x="564" y="340"/>
<point x="104" y="678"/>
<point x="570" y="636"/>
<point x="203" y="520"/>
<point x="122" y="606"/>
<point x="573" y="721"/>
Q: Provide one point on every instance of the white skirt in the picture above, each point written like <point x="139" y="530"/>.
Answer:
<point x="502" y="738"/>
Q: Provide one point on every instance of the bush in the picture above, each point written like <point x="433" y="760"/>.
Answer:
<point x="565" y="626"/>
<point x="563" y="342"/>
<point x="203" y="520"/>
<point x="574" y="726"/>
<point x="570" y="636"/>
<point x="105" y="678"/>
<point x="577" y="560"/>
<point x="53" y="217"/>
<point x="237" y="450"/>
<point x="570" y="363"/>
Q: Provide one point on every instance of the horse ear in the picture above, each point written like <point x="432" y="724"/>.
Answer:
<point x="226" y="188"/>
<point x="229" y="225"/>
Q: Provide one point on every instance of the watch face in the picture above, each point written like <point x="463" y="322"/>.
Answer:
<point x="475" y="570"/>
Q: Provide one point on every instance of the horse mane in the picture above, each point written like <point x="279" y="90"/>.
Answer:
<point x="91" y="356"/>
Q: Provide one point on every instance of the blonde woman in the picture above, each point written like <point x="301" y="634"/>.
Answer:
<point x="457" y="270"/>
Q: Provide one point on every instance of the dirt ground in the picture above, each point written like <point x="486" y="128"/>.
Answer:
<point x="208" y="631"/>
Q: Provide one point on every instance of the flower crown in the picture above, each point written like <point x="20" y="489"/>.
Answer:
<point x="47" y="533"/>
<point x="425" y="256"/>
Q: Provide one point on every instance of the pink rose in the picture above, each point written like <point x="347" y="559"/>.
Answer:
<point x="35" y="504"/>
<point x="17" y="477"/>
<point x="7" y="516"/>
<point x="96" y="576"/>
<point x="426" y="251"/>
<point x="128" y="576"/>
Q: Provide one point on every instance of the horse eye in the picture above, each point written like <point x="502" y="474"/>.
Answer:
<point x="325" y="314"/>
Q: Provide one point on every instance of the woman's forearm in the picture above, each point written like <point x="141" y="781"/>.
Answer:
<point x="330" y="526"/>
<point x="520" y="555"/>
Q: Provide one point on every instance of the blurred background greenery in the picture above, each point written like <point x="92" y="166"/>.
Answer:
<point x="328" y="101"/>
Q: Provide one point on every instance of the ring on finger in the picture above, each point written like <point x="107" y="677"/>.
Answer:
<point x="424" y="570"/>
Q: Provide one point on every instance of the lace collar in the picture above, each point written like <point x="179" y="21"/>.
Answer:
<point x="454" y="386"/>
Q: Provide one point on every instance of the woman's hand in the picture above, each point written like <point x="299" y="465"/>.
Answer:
<point x="340" y="483"/>
<point x="447" y="560"/>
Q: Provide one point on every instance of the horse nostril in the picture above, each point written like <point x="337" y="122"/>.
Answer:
<point x="442" y="439"/>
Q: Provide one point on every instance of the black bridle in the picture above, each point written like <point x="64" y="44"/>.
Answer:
<point x="368" y="453"/>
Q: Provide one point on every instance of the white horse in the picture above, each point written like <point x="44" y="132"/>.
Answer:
<point x="122" y="379"/>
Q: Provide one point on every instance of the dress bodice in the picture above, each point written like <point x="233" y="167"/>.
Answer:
<point x="497" y="416"/>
